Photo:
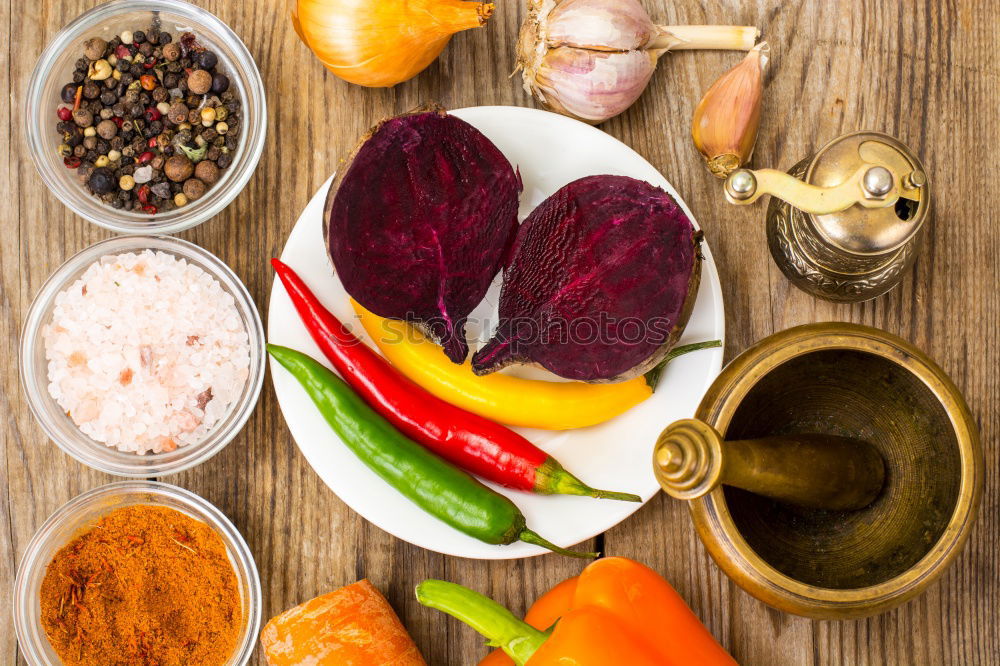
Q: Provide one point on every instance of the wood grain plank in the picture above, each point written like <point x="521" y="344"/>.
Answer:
<point x="918" y="69"/>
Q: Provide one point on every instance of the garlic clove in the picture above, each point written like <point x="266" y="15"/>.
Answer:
<point x="622" y="25"/>
<point x="724" y="128"/>
<point x="591" y="86"/>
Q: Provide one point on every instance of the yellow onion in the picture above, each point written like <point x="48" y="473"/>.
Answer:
<point x="380" y="43"/>
<point x="592" y="59"/>
<point x="725" y="123"/>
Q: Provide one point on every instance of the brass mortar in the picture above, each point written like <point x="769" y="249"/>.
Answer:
<point x="838" y="384"/>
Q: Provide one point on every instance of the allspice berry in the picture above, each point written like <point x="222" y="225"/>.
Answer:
<point x="178" y="168"/>
<point x="207" y="172"/>
<point x="94" y="48"/>
<point x="178" y="113"/>
<point x="107" y="129"/>
<point x="194" y="189"/>
<point x="83" y="118"/>
<point x="199" y="82"/>
<point x="172" y="52"/>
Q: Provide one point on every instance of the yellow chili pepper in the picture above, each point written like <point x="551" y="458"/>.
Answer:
<point x="532" y="403"/>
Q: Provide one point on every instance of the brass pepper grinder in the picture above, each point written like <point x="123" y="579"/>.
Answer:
<point x="844" y="224"/>
<point x="817" y="471"/>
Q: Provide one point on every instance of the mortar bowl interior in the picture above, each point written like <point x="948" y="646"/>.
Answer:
<point x="849" y="381"/>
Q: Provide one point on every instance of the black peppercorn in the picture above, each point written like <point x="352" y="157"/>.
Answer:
<point x="68" y="93"/>
<point x="117" y="143"/>
<point x="78" y="77"/>
<point x="220" y="83"/>
<point x="136" y="69"/>
<point x="108" y="98"/>
<point x="170" y="80"/>
<point x="101" y="181"/>
<point x="103" y="147"/>
<point x="91" y="90"/>
<point x="138" y="36"/>
<point x="224" y="161"/>
<point x="127" y="78"/>
<point x="123" y="65"/>
<point x="136" y="110"/>
<point x="206" y="60"/>
<point x="161" y="95"/>
<point x="79" y="151"/>
<point x="146" y="49"/>
<point x="165" y="37"/>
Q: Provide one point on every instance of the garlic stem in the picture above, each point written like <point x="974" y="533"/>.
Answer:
<point x="688" y="37"/>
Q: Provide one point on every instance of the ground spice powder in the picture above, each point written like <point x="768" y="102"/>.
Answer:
<point x="145" y="585"/>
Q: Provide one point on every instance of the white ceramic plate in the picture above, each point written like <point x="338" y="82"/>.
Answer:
<point x="550" y="150"/>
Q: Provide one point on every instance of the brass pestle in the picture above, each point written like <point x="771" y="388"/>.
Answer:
<point x="818" y="471"/>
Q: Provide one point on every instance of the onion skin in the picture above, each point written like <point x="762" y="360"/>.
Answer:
<point x="379" y="43"/>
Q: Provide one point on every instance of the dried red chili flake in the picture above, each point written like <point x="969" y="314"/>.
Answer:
<point x="143" y="194"/>
<point x="71" y="162"/>
<point x="149" y="209"/>
<point x="145" y="157"/>
<point x="65" y="113"/>
<point x="118" y="120"/>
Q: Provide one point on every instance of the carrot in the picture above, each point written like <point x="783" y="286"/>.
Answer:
<point x="543" y="614"/>
<point x="352" y="626"/>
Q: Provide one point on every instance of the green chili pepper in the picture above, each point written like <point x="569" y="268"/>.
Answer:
<point x="436" y="486"/>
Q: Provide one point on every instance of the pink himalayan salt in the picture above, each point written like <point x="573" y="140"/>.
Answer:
<point x="146" y="352"/>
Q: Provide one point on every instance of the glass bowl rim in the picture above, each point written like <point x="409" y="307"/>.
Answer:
<point x="205" y="512"/>
<point x="216" y="440"/>
<point x="253" y="138"/>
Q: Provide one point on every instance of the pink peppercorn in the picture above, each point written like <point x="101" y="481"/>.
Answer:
<point x="65" y="113"/>
<point x="152" y="114"/>
<point x="145" y="157"/>
<point x="149" y="209"/>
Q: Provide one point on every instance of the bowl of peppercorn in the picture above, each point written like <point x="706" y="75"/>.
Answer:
<point x="146" y="116"/>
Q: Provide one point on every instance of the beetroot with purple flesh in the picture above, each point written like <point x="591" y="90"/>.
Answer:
<point x="420" y="220"/>
<point x="600" y="284"/>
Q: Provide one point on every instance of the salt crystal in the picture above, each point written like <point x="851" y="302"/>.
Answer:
<point x="134" y="319"/>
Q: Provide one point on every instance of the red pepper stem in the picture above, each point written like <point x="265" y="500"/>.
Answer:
<point x="515" y="637"/>
<point x="551" y="478"/>
<point x="653" y="376"/>
<point x="527" y="536"/>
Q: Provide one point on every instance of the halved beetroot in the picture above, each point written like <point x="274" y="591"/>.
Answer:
<point x="419" y="221"/>
<point x="600" y="284"/>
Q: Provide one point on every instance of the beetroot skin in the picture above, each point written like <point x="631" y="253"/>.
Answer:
<point x="600" y="284"/>
<point x="420" y="220"/>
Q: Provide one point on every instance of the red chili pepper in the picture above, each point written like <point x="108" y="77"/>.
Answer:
<point x="145" y="157"/>
<point x="481" y="446"/>
<point x="149" y="209"/>
<point x="143" y="194"/>
<point x="65" y="113"/>
<point x="79" y="96"/>
<point x="71" y="162"/>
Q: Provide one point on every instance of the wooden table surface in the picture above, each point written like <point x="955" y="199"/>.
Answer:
<point x="921" y="70"/>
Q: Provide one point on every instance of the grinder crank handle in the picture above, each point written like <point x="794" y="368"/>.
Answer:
<point x="819" y="471"/>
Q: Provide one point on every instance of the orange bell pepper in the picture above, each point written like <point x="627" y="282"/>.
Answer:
<point x="621" y="612"/>
<point x="543" y="614"/>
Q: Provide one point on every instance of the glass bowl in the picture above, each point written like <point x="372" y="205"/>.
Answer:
<point x="60" y="427"/>
<point x="79" y="513"/>
<point x="55" y="67"/>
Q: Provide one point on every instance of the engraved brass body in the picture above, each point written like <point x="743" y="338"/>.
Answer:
<point x="843" y="224"/>
<point x="777" y="405"/>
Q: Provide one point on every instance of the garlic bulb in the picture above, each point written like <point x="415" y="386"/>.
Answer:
<point x="725" y="123"/>
<point x="383" y="42"/>
<point x="591" y="59"/>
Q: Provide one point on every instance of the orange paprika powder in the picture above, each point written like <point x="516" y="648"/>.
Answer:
<point x="144" y="585"/>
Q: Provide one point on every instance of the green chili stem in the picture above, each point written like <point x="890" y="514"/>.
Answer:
<point x="515" y="637"/>
<point x="653" y="376"/>
<point x="528" y="536"/>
